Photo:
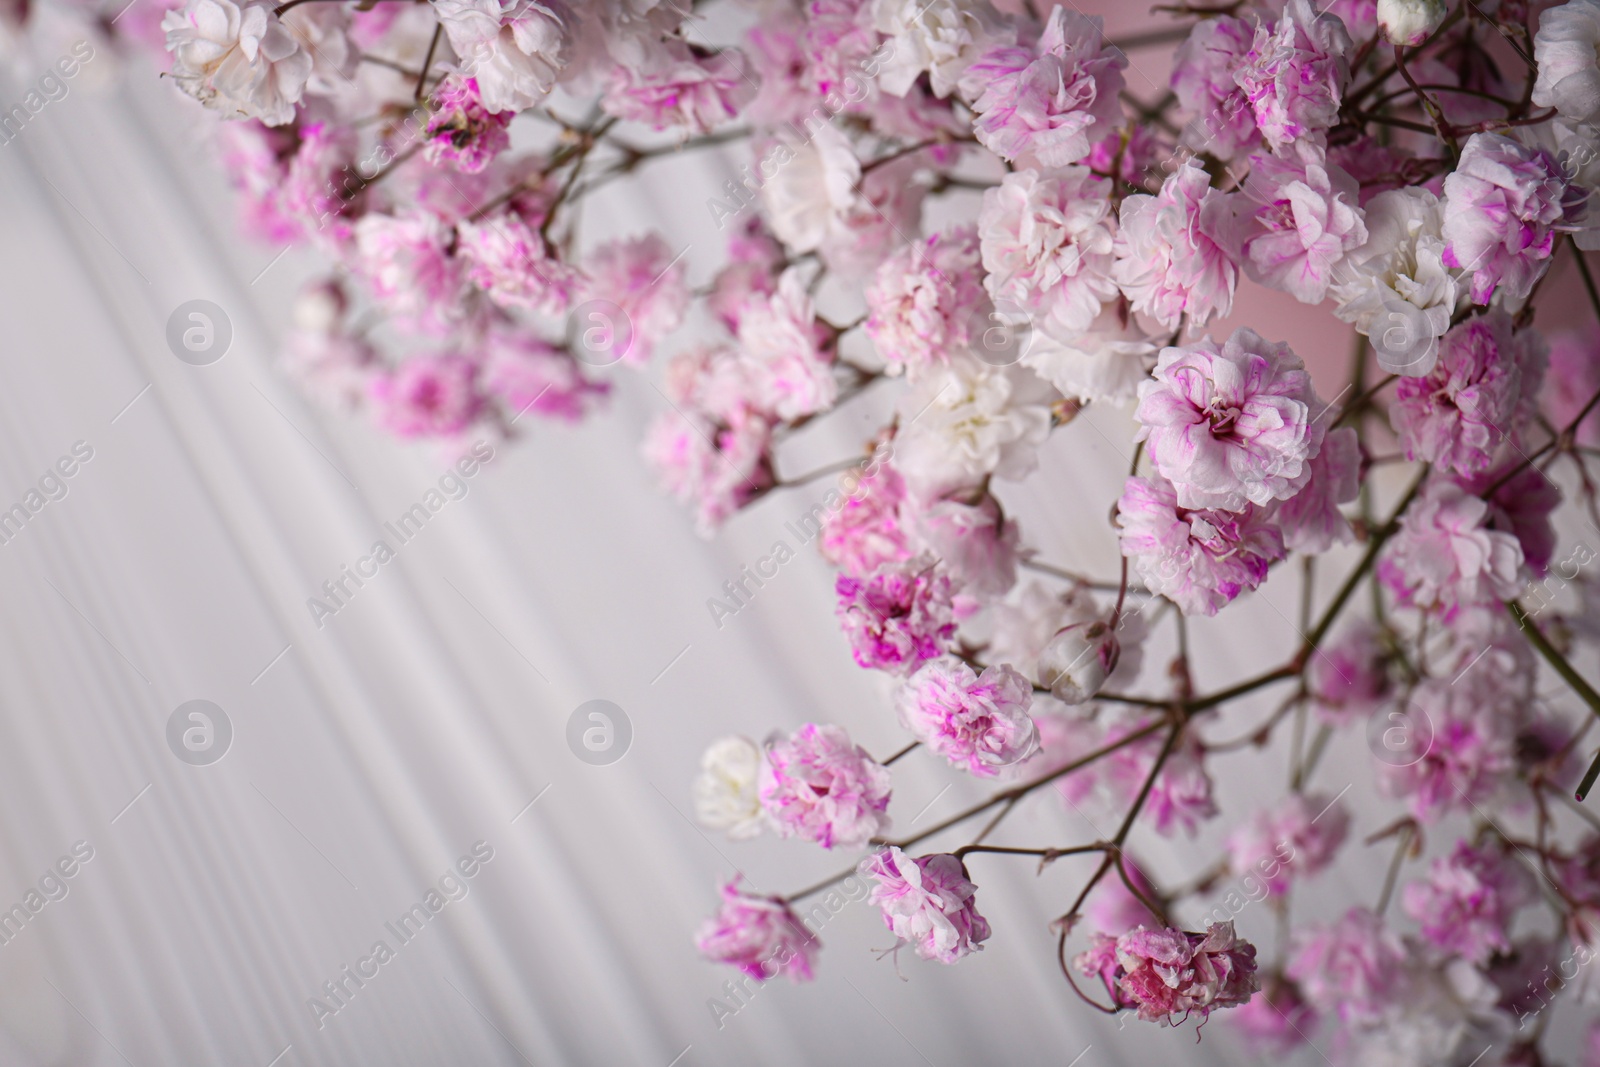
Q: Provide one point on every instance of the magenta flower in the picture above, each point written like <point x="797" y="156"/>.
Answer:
<point x="1230" y="424"/>
<point x="865" y="531"/>
<point x="1295" y="73"/>
<point x="462" y="132"/>
<point x="1446" y="554"/>
<point x="1466" y="904"/>
<point x="928" y="903"/>
<point x="1172" y="257"/>
<point x="532" y="376"/>
<point x="1458" y="748"/>
<point x="818" y="785"/>
<point x="1199" y="559"/>
<point x="718" y="466"/>
<point x="977" y="721"/>
<point x="427" y="396"/>
<point x="1505" y="201"/>
<point x="899" y="615"/>
<point x="1349" y="677"/>
<point x="1166" y="975"/>
<point x="1456" y="416"/>
<point x="975" y="542"/>
<point x="407" y="261"/>
<point x="761" y="936"/>
<point x="1349" y="968"/>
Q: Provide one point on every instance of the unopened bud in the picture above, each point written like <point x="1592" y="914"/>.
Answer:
<point x="1078" y="660"/>
<point x="1409" y="22"/>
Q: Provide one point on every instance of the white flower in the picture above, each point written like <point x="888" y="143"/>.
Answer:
<point x="514" y="48"/>
<point x="321" y="31"/>
<point x="778" y="340"/>
<point x="1567" y="51"/>
<point x="1577" y="146"/>
<point x="1105" y="362"/>
<point x="941" y="37"/>
<point x="725" y="793"/>
<point x="1438" y="1015"/>
<point x="1395" y="288"/>
<point x="1409" y="22"/>
<point x="964" y="423"/>
<point x="237" y="59"/>
<point x="812" y="188"/>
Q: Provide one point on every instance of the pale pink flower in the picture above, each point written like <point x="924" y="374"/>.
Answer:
<point x="776" y="46"/>
<point x="462" y="132"/>
<point x="941" y="37"/>
<point x="255" y="159"/>
<point x="683" y="89"/>
<point x="1168" y="975"/>
<point x="1230" y="424"/>
<point x="1458" y="749"/>
<point x="319" y="188"/>
<point x="925" y="300"/>
<point x="929" y="903"/>
<point x="1303" y="219"/>
<point x="530" y="375"/>
<point x="427" y="396"/>
<point x="514" y="49"/>
<point x="1295" y="73"/>
<point x="762" y="936"/>
<point x="1043" y="107"/>
<point x="1181" y="797"/>
<point x="718" y="466"/>
<point x="1349" y="677"/>
<point x="866" y="530"/>
<point x="1445" y="554"/>
<point x="1224" y="123"/>
<point x="406" y="259"/>
<point x="238" y="58"/>
<point x="1348" y="968"/>
<point x="1311" y="520"/>
<point x="320" y="351"/>
<point x="1294" y="839"/>
<point x="1171" y="250"/>
<point x="975" y="721"/>
<point x="1145" y="153"/>
<point x="1573" y="381"/>
<point x="899" y="615"/>
<point x="508" y="259"/>
<point x="975" y="542"/>
<point x="1112" y="908"/>
<point x="1456" y="416"/>
<point x="1277" y="1020"/>
<point x="785" y="348"/>
<point x="1047" y="246"/>
<point x="1504" y="204"/>
<point x="643" y="277"/>
<point x="886" y="207"/>
<point x="1565" y="50"/>
<point x="1467" y="902"/>
<point x="818" y="785"/>
<point x="1201" y="560"/>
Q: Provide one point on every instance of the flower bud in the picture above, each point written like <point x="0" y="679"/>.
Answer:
<point x="1078" y="660"/>
<point x="1409" y="22"/>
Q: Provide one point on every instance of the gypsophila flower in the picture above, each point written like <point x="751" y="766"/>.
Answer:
<point x="818" y="785"/>
<point x="513" y="49"/>
<point x="461" y="131"/>
<point x="1505" y="200"/>
<point x="941" y="37"/>
<point x="1295" y="73"/>
<point x="238" y="58"/>
<point x="928" y="902"/>
<point x="1466" y="904"/>
<point x="725" y="792"/>
<point x="923" y="300"/>
<point x="1166" y="975"/>
<point x="1304" y="220"/>
<point x="1349" y="677"/>
<point x="1293" y="840"/>
<point x="975" y="721"/>
<point x="899" y="615"/>
<point x="762" y="936"/>
<point x="1347" y="968"/>
<point x="1457" y="416"/>
<point x="1446" y="555"/>
<point x="1565" y="51"/>
<point x="1172" y="257"/>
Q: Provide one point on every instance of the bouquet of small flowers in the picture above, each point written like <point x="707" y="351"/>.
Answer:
<point x="1418" y="169"/>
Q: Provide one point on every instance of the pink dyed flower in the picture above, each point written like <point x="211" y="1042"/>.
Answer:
<point x="1311" y="520"/>
<point x="255" y="158"/>
<point x="1047" y="245"/>
<point x="818" y="785"/>
<point x="643" y="277"/>
<point x="406" y="259"/>
<point x="1522" y="505"/>
<point x="1445" y="554"/>
<point x="530" y="375"/>
<point x="1505" y="201"/>
<point x="508" y="259"/>
<point x="682" y="88"/>
<point x="718" y="467"/>
<point x="1043" y="107"/>
<point x="461" y="131"/>
<point x="1168" y="975"/>
<point x="1349" y="678"/>
<point x="1202" y="78"/>
<point x="977" y="721"/>
<point x="1200" y="560"/>
<point x="974" y="542"/>
<point x="928" y="902"/>
<point x="1181" y="797"/>
<point x="1170" y="255"/>
<point x="762" y="936"/>
<point x="925" y="299"/>
<point x="1454" y="747"/>
<point x="1466" y="904"/>
<point x="899" y="615"/>
<point x="784" y="348"/>
<point x="886" y="205"/>
<point x="1295" y="73"/>
<point x="1348" y="968"/>
<point x="865" y="531"/>
<point x="1304" y="219"/>
<point x="1289" y="842"/>
<point x="1456" y="416"/>
<point x="1277" y="1020"/>
<point x="1574" y="379"/>
<point x="320" y="189"/>
<point x="1230" y="424"/>
<point x="428" y="396"/>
